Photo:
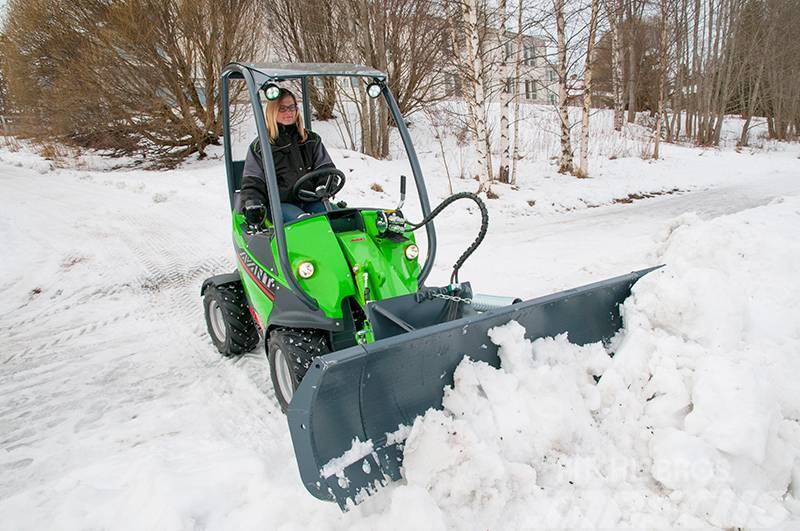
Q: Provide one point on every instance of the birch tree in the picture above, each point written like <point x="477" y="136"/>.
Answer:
<point x="517" y="66"/>
<point x="473" y="70"/>
<point x="507" y="93"/>
<point x="583" y="169"/>
<point x="565" y="163"/>
<point x="614" y="22"/>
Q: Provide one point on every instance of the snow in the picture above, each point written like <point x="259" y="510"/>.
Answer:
<point x="694" y="416"/>
<point x="358" y="450"/>
<point x="116" y="411"/>
<point x="399" y="435"/>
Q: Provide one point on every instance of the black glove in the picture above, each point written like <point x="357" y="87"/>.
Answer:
<point x="254" y="213"/>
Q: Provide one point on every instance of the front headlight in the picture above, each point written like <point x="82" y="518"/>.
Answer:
<point x="305" y="269"/>
<point x="412" y="252"/>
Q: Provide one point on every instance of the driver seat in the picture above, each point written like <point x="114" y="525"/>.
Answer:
<point x="238" y="169"/>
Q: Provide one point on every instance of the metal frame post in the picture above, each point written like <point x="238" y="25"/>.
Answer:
<point x="306" y="103"/>
<point x="274" y="193"/>
<point x="418" y="178"/>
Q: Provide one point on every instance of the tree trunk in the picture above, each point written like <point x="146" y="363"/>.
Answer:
<point x="612" y="8"/>
<point x="477" y="98"/>
<point x="565" y="164"/>
<point x="632" y="69"/>
<point x="507" y="92"/>
<point x="662" y="75"/>
<point x="517" y="62"/>
<point x="691" y="111"/>
<point x="583" y="170"/>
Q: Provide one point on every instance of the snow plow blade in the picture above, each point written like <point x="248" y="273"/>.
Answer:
<point x="364" y="393"/>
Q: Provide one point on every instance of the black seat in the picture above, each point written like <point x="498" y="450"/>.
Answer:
<point x="238" y="169"/>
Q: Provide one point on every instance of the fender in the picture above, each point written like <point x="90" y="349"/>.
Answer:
<point x="220" y="280"/>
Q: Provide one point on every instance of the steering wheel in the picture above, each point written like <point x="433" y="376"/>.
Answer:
<point x="334" y="182"/>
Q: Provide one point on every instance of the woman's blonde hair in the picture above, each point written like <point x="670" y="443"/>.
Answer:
<point x="271" y="114"/>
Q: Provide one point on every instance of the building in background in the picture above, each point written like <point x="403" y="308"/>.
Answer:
<point x="537" y="83"/>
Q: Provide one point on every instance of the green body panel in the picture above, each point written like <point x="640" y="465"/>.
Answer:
<point x="313" y="240"/>
<point x="384" y="278"/>
<point x="394" y="254"/>
<point x="340" y="262"/>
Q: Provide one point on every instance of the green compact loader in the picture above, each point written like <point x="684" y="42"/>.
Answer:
<point x="358" y="345"/>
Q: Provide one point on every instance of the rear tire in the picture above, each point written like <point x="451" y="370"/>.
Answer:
<point x="228" y="319"/>
<point x="290" y="352"/>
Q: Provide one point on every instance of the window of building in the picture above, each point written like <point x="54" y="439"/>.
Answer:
<point x="509" y="86"/>
<point x="530" y="89"/>
<point x="529" y="52"/>
<point x="509" y="51"/>
<point x="553" y="99"/>
<point x="452" y="85"/>
<point x="553" y="76"/>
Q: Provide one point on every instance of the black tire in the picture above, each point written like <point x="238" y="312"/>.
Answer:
<point x="290" y="352"/>
<point x="228" y="319"/>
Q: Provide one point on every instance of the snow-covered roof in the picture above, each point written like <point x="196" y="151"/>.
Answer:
<point x="279" y="71"/>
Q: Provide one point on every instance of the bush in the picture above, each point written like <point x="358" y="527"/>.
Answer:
<point x="130" y="76"/>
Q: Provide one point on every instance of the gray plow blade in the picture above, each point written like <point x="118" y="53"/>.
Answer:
<point x="365" y="392"/>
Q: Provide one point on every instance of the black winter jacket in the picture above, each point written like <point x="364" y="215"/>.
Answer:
<point x="292" y="159"/>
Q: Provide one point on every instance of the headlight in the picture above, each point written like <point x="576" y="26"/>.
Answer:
<point x="305" y="269"/>
<point x="272" y="91"/>
<point x="412" y="252"/>
<point x="374" y="90"/>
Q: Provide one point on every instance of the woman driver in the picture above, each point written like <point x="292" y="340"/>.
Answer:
<point x="295" y="152"/>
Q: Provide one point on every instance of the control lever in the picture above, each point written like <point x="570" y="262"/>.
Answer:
<point x="402" y="192"/>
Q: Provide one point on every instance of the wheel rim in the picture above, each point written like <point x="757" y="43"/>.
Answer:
<point x="217" y="320"/>
<point x="284" y="374"/>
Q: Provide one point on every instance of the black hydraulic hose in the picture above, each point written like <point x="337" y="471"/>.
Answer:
<point x="481" y="234"/>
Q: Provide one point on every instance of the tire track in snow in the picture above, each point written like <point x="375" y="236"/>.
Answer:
<point x="72" y="301"/>
<point x="59" y="338"/>
<point x="96" y="356"/>
<point x="174" y="270"/>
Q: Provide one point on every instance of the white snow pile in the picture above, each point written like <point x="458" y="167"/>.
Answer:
<point x="693" y="422"/>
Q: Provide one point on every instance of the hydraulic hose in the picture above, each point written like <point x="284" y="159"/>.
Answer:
<point x="481" y="234"/>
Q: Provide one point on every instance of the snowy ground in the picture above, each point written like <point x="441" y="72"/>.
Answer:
<point x="116" y="412"/>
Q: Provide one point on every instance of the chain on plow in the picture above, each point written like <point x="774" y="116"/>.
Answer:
<point x="451" y="298"/>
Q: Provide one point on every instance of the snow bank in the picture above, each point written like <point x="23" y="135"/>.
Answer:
<point x="692" y="423"/>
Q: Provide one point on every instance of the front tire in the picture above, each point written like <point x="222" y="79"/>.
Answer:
<point x="228" y="319"/>
<point x="290" y="352"/>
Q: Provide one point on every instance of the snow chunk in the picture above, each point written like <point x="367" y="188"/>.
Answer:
<point x="399" y="435"/>
<point x="734" y="408"/>
<point x="358" y="450"/>
<point x="682" y="461"/>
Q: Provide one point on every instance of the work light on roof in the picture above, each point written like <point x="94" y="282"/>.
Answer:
<point x="374" y="90"/>
<point x="272" y="91"/>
